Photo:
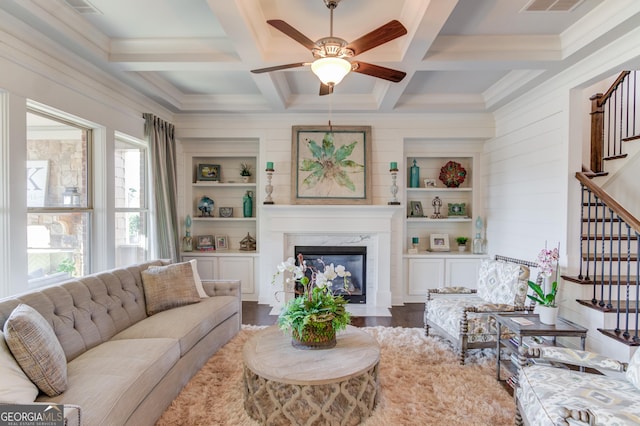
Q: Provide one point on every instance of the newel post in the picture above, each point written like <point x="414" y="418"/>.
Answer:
<point x="597" y="132"/>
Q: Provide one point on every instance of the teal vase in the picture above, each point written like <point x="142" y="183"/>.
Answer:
<point x="414" y="175"/>
<point x="247" y="204"/>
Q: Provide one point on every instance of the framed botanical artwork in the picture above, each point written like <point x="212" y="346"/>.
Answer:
<point x="222" y="242"/>
<point x="205" y="242"/>
<point x="439" y="242"/>
<point x="331" y="165"/>
<point x="208" y="172"/>
<point x="415" y="209"/>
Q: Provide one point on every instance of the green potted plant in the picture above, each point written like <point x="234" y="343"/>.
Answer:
<point x="547" y="308"/>
<point x="245" y="171"/>
<point x="315" y="314"/>
<point x="462" y="243"/>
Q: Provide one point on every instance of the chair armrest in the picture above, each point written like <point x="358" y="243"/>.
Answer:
<point x="450" y="290"/>
<point x="576" y="357"/>
<point x="222" y="287"/>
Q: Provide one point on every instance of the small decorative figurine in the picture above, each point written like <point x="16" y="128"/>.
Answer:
<point x="436" y="203"/>
<point x="187" y="240"/>
<point x="248" y="243"/>
<point x="205" y="205"/>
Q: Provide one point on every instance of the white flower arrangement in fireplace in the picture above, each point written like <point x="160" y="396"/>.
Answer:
<point x="316" y="314"/>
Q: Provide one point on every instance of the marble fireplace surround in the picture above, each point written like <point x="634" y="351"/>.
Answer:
<point x="336" y="225"/>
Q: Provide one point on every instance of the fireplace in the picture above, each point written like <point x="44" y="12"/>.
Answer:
<point x="353" y="258"/>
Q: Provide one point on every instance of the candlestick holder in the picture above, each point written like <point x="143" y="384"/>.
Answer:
<point x="269" y="188"/>
<point x="394" y="187"/>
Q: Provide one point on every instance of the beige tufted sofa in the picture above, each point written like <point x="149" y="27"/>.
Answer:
<point x="123" y="366"/>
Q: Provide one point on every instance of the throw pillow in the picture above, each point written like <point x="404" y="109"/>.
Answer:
<point x="633" y="370"/>
<point x="196" y="278"/>
<point x="35" y="346"/>
<point x="16" y="388"/>
<point x="170" y="286"/>
<point x="502" y="282"/>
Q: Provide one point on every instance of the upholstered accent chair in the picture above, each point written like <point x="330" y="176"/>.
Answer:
<point x="464" y="315"/>
<point x="549" y="395"/>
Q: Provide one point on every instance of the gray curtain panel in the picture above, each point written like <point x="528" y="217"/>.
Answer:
<point x="162" y="145"/>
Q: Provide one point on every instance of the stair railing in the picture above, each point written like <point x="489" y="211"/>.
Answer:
<point x="598" y="210"/>
<point x="614" y="119"/>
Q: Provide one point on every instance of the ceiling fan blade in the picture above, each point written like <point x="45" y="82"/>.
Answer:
<point x="279" y="67"/>
<point x="389" y="31"/>
<point x="292" y="32"/>
<point x="378" y="71"/>
<point x="325" y="89"/>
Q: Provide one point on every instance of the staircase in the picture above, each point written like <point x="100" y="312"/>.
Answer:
<point x="609" y="245"/>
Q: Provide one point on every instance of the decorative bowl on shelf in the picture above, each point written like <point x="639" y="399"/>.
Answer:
<point x="225" y="211"/>
<point x="452" y="174"/>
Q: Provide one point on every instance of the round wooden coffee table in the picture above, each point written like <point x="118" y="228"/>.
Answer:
<point x="284" y="385"/>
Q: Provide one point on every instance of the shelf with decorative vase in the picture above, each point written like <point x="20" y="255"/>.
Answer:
<point x="221" y="172"/>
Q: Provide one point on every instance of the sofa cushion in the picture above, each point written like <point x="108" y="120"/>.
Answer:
<point x="446" y="313"/>
<point x="633" y="371"/>
<point x="37" y="349"/>
<point x="112" y="379"/>
<point x="197" y="279"/>
<point x="503" y="282"/>
<point x="167" y="287"/>
<point x="544" y="391"/>
<point x="188" y="324"/>
<point x="16" y="387"/>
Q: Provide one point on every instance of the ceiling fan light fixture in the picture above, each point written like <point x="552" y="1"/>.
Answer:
<point x="331" y="71"/>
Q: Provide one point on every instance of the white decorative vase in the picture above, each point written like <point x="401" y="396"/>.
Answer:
<point x="548" y="314"/>
<point x="462" y="248"/>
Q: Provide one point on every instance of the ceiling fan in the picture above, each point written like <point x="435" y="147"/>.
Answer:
<point x="331" y="53"/>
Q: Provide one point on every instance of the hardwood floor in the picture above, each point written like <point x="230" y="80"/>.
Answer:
<point x="409" y="315"/>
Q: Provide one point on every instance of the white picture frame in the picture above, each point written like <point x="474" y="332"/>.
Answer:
<point x="439" y="242"/>
<point x="222" y="243"/>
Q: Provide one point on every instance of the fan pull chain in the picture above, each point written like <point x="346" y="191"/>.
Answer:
<point x="330" y="112"/>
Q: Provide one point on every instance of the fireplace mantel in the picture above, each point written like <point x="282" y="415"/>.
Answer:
<point x="284" y="226"/>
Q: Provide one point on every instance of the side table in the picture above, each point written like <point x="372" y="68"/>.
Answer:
<point x="528" y="325"/>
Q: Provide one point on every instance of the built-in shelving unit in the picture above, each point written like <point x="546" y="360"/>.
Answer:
<point x="463" y="196"/>
<point x="424" y="269"/>
<point x="228" y="191"/>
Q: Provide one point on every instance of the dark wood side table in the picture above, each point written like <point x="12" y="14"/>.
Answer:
<point x="529" y="325"/>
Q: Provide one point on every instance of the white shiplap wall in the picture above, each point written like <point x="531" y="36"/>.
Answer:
<point x="532" y="196"/>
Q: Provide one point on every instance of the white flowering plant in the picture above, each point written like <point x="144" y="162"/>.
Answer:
<point x="315" y="305"/>
<point x="548" y="264"/>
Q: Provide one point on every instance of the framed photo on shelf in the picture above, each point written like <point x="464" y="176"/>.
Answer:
<point x="457" y="209"/>
<point x="222" y="243"/>
<point x="205" y="242"/>
<point x="331" y="165"/>
<point x="439" y="242"/>
<point x="430" y="183"/>
<point x="208" y="172"/>
<point x="415" y="209"/>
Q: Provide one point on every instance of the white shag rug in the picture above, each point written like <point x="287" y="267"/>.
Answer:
<point x="421" y="383"/>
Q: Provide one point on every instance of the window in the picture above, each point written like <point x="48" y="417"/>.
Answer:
<point x="132" y="215"/>
<point x="59" y="210"/>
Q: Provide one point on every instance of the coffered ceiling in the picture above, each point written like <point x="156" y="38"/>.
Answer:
<point x="458" y="55"/>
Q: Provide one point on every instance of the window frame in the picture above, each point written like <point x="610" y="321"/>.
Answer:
<point x="88" y="208"/>
<point x="143" y="146"/>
